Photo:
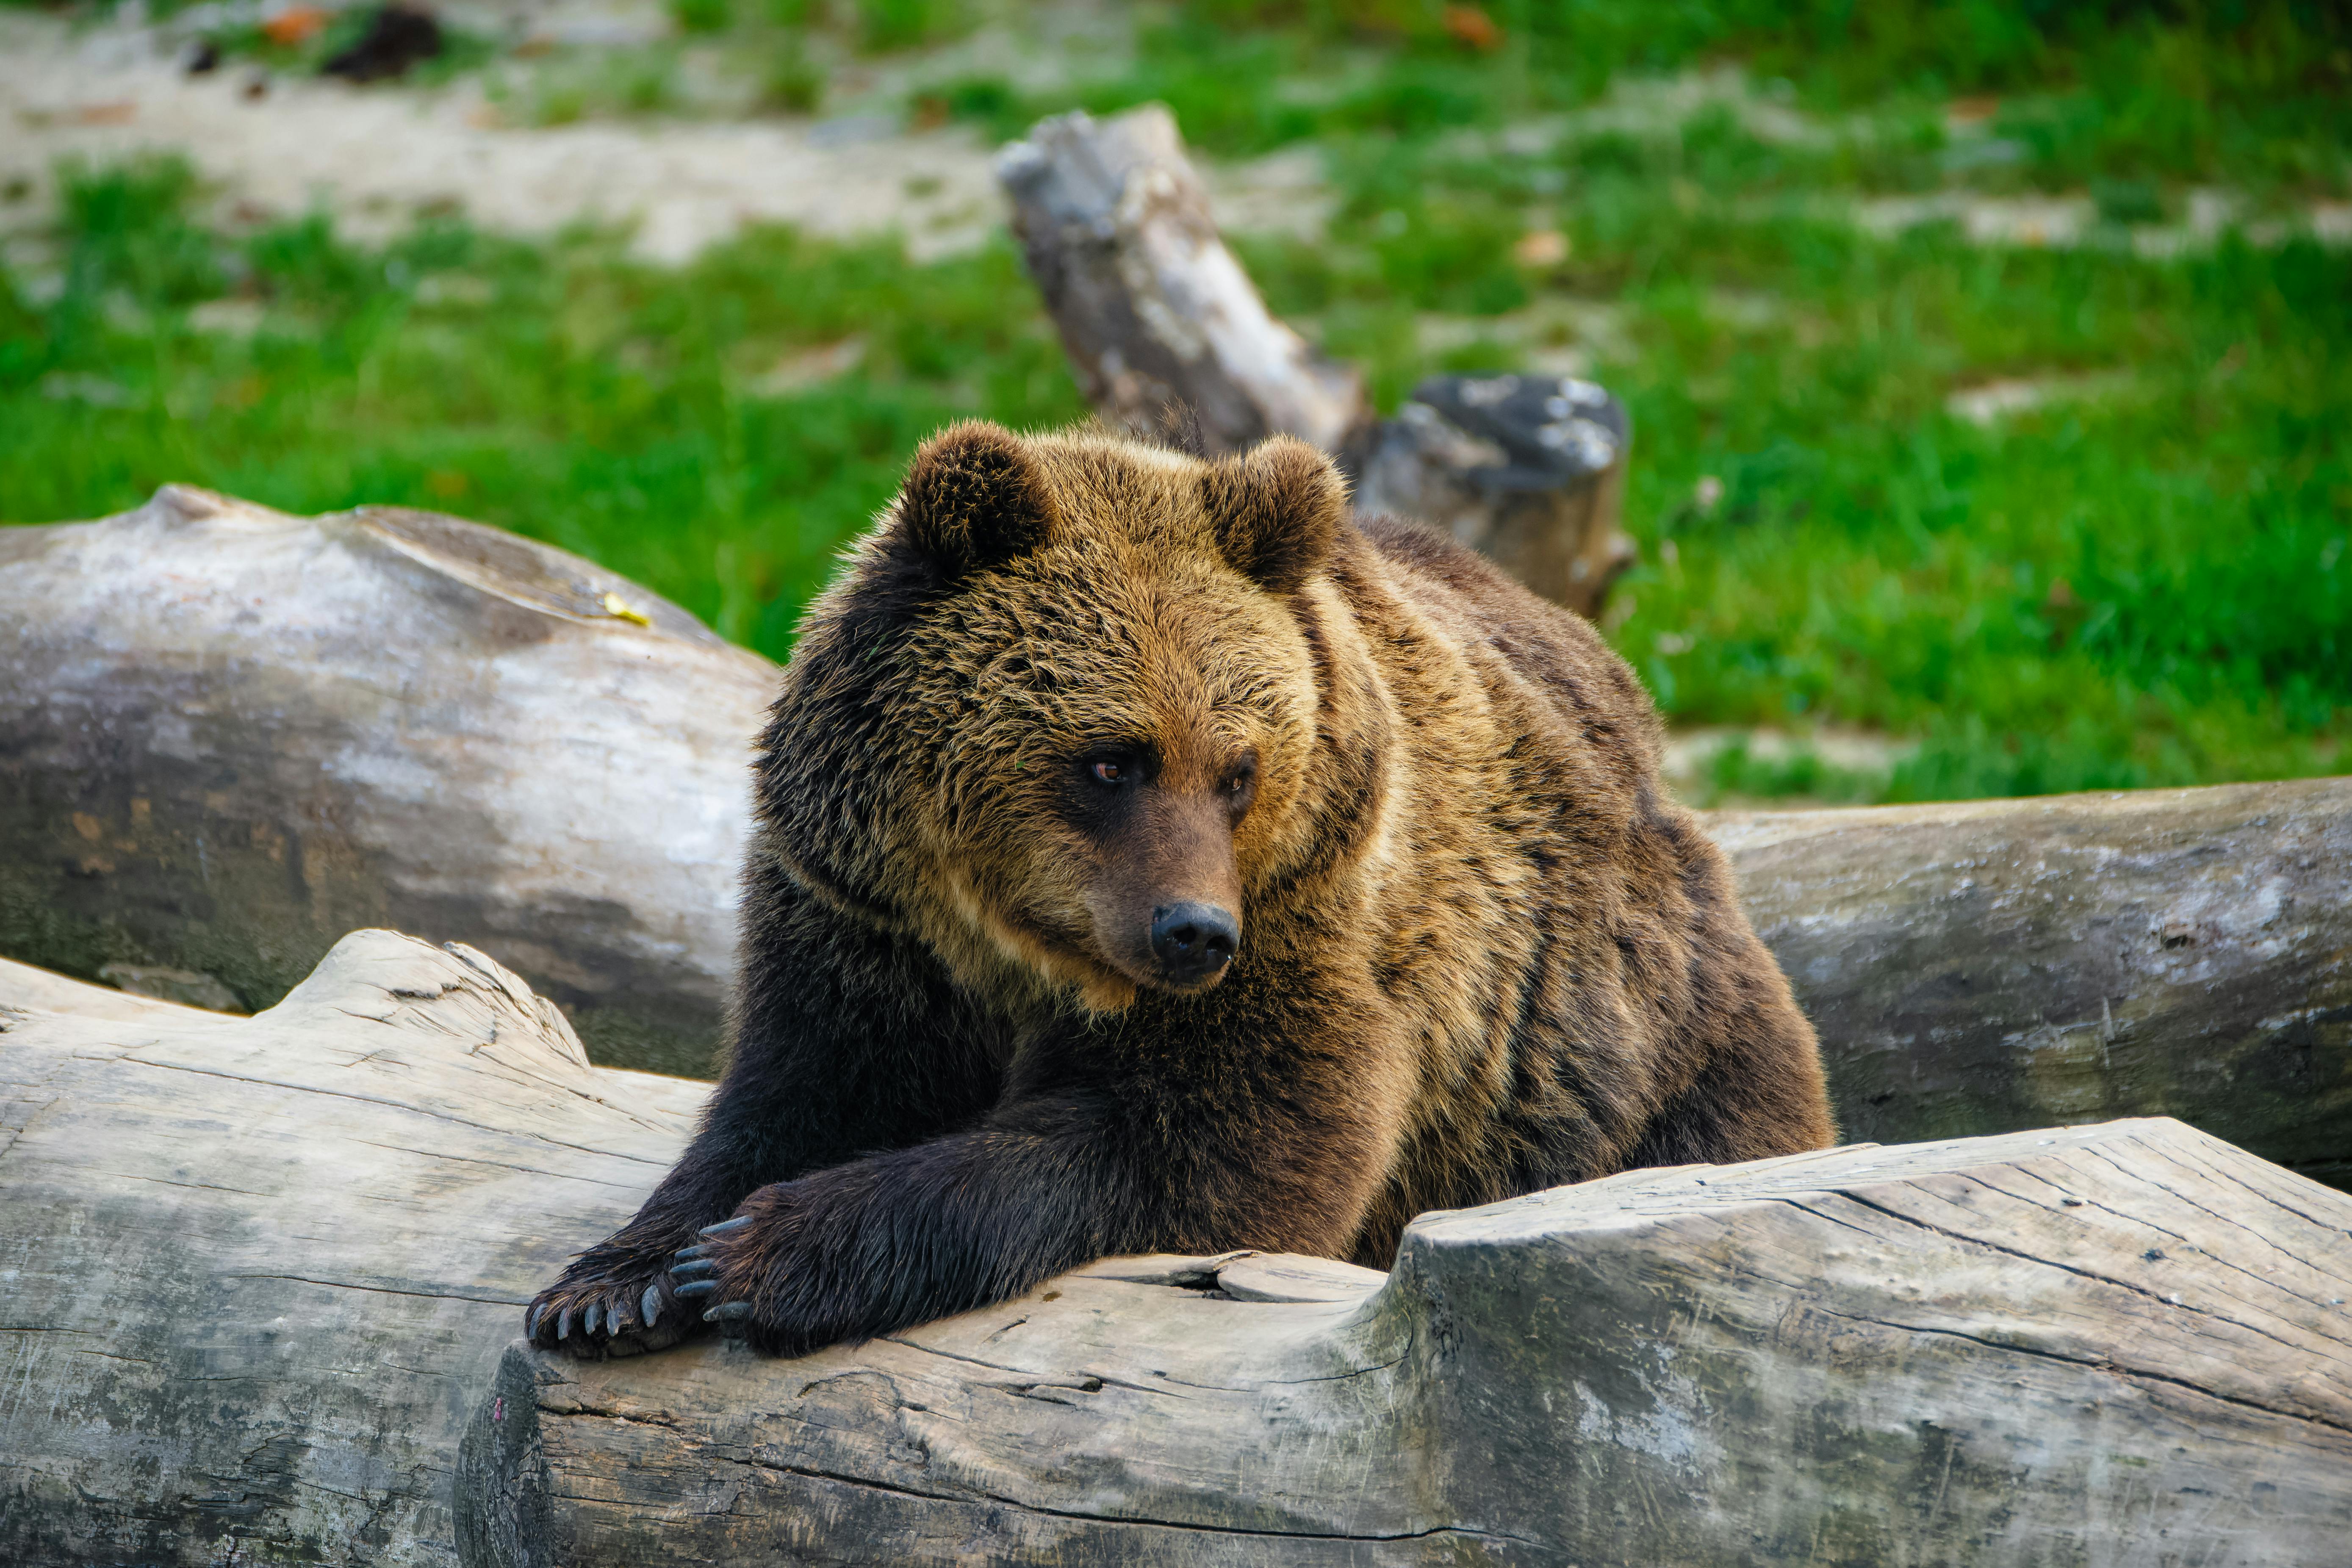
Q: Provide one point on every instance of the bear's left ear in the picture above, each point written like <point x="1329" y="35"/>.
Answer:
<point x="1277" y="511"/>
<point x="973" y="499"/>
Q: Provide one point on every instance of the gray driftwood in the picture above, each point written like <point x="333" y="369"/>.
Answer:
<point x="2118" y="1344"/>
<point x="1169" y="337"/>
<point x="227" y="736"/>
<point x="264" y="1273"/>
<point x="1983" y="965"/>
<point x="257" y="1271"/>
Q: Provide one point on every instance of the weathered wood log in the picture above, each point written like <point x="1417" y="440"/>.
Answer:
<point x="264" y="1272"/>
<point x="257" y="1271"/>
<point x="1169" y="338"/>
<point x="2119" y="1344"/>
<point x="228" y="736"/>
<point x="1983" y="965"/>
<point x="1157" y="316"/>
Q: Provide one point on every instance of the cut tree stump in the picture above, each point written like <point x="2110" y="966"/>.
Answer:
<point x="264" y="1276"/>
<point x="1169" y="338"/>
<point x="228" y="736"/>
<point x="257" y="1271"/>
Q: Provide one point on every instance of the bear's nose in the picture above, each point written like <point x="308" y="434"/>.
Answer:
<point x="1194" y="941"/>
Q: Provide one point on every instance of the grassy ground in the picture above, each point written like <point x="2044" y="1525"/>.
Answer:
<point x="2145" y="584"/>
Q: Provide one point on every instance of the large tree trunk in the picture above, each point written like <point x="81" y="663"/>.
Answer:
<point x="258" y="1270"/>
<point x="1983" y="965"/>
<point x="227" y="736"/>
<point x="265" y="1275"/>
<point x="2113" y="1344"/>
<point x="1169" y="338"/>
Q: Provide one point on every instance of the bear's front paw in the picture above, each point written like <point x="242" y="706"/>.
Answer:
<point x="614" y="1314"/>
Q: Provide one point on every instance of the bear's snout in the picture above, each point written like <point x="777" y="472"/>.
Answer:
<point x="1194" y="941"/>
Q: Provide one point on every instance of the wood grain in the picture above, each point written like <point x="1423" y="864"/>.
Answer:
<point x="263" y="1276"/>
<point x="234" y="735"/>
<point x="256" y="1271"/>
<point x="2115" y="1344"/>
<point x="1982" y="965"/>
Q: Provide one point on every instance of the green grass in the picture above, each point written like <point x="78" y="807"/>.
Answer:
<point x="2151" y="589"/>
<point x="561" y="391"/>
<point x="2148" y="585"/>
<point x="2255" y="92"/>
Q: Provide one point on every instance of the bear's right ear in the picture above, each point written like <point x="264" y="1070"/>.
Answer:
<point x="973" y="499"/>
<point x="1277" y="511"/>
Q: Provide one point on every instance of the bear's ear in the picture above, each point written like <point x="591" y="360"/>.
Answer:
<point x="973" y="499"/>
<point x="1277" y="511"/>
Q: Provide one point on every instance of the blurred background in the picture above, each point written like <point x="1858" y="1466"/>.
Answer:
<point x="1990" y="364"/>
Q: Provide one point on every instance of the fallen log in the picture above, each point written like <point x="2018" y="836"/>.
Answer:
<point x="259" y="1269"/>
<point x="265" y="1275"/>
<point x="1169" y="338"/>
<point x="1982" y="965"/>
<point x="228" y="736"/>
<point x="2120" y="1343"/>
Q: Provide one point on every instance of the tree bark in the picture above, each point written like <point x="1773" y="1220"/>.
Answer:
<point x="1170" y="339"/>
<point x="1983" y="965"/>
<point x="2096" y="1344"/>
<point x="228" y="736"/>
<point x="266" y="1274"/>
<point x="258" y="1270"/>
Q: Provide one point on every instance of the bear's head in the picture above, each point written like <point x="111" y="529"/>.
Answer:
<point x="1060" y="713"/>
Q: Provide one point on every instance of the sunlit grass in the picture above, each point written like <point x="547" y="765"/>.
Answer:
<point x="2149" y="582"/>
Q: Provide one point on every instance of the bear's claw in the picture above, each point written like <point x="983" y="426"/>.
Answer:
<point x="595" y="1318"/>
<point x="697" y="1288"/>
<point x="725" y="1226"/>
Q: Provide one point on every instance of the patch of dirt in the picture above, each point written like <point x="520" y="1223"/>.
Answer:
<point x="1988" y="403"/>
<point x="1690" y="755"/>
<point x="379" y="156"/>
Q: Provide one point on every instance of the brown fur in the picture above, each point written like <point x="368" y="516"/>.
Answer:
<point x="1480" y="953"/>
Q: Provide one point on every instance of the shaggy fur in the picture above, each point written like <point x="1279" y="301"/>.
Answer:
<point x="1480" y="953"/>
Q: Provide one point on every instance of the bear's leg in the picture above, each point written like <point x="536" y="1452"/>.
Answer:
<point x="1045" y="1185"/>
<point x="845" y="1041"/>
<point x="902" y="1238"/>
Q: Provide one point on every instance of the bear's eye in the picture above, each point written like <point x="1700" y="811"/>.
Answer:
<point x="1241" y="785"/>
<point x="1109" y="771"/>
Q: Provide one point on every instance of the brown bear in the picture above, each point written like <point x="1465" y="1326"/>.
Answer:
<point x="1152" y="858"/>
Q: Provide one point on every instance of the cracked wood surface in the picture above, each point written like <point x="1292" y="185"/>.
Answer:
<point x="257" y="1271"/>
<point x="235" y="735"/>
<point x="1984" y="965"/>
<point x="263" y="1278"/>
<point x="2115" y="1344"/>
